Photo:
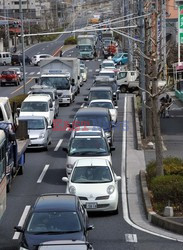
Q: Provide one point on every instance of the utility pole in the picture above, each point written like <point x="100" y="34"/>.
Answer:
<point x="7" y="34"/>
<point x="142" y="67"/>
<point x="22" y="40"/>
<point x="163" y="7"/>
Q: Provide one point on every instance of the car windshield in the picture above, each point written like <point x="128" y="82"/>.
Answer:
<point x="93" y="95"/>
<point x="36" y="124"/>
<point x="113" y="85"/>
<point x="82" y="70"/>
<point x="107" y="105"/>
<point x="34" y="107"/>
<point x="85" y="47"/>
<point x="102" y="121"/>
<point x="111" y="65"/>
<point x="88" y="146"/>
<point x="8" y="72"/>
<point x="118" y="56"/>
<point x="91" y="174"/>
<point x="110" y="74"/>
<point x="53" y="222"/>
<point x="58" y="82"/>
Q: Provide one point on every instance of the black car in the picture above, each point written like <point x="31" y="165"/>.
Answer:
<point x="18" y="60"/>
<point x="95" y="117"/>
<point x="54" y="217"/>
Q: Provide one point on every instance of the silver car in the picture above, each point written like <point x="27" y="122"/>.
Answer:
<point x="85" y="142"/>
<point x="38" y="130"/>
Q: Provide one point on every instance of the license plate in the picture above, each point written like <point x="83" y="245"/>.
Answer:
<point x="92" y="205"/>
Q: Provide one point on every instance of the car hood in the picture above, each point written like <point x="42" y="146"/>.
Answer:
<point x="35" y="133"/>
<point x="92" y="190"/>
<point x="35" y="240"/>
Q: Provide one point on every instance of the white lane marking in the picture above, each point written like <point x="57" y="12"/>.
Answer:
<point x="31" y="73"/>
<point x="131" y="237"/>
<point x="43" y="48"/>
<point x="124" y="188"/>
<point x="43" y="173"/>
<point x="58" y="145"/>
<point x="90" y="70"/>
<point x="38" y="73"/>
<point x="99" y="60"/>
<point x="21" y="222"/>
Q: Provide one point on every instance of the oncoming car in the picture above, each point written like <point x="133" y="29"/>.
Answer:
<point x="95" y="183"/>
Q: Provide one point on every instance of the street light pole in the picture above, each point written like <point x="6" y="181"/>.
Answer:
<point x="22" y="41"/>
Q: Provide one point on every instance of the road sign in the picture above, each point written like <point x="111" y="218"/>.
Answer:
<point x="181" y="17"/>
<point x="181" y="37"/>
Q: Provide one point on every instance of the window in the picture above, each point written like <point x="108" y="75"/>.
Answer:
<point x="8" y="111"/>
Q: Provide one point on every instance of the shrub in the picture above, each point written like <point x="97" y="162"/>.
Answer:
<point x="168" y="188"/>
<point x="17" y="100"/>
<point x="70" y="40"/>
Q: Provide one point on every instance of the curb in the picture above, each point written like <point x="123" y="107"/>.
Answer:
<point x="137" y="125"/>
<point x="153" y="217"/>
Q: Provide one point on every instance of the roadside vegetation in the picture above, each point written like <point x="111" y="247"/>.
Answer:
<point x="166" y="190"/>
<point x="70" y="41"/>
<point x="17" y="100"/>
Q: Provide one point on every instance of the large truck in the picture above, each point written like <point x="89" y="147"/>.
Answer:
<point x="62" y="73"/>
<point x="128" y="81"/>
<point x="86" y="46"/>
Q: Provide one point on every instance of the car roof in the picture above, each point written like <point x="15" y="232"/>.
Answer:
<point x="88" y="131"/>
<point x="106" y="70"/>
<point x="31" y="118"/>
<point x="108" y="61"/>
<point x="42" y="87"/>
<point x="100" y="88"/>
<point x="101" y="100"/>
<point x="56" y="202"/>
<point x="36" y="98"/>
<point x="91" y="162"/>
<point x="92" y="110"/>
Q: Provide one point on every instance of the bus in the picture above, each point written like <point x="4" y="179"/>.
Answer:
<point x="178" y="80"/>
<point x="2" y="172"/>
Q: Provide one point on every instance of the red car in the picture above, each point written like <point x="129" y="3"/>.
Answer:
<point x="9" y="77"/>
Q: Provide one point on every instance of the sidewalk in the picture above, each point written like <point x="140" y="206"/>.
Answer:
<point x="135" y="163"/>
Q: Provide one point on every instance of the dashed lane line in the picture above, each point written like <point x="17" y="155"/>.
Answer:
<point x="43" y="173"/>
<point x="22" y="86"/>
<point x="131" y="238"/>
<point x="21" y="222"/>
<point x="58" y="145"/>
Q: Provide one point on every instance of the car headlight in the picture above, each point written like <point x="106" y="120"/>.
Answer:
<point x="72" y="190"/>
<point x="108" y="134"/>
<point x="66" y="96"/>
<point x="110" y="189"/>
<point x="41" y="135"/>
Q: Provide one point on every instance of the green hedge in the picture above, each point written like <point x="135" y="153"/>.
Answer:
<point x="17" y="100"/>
<point x="48" y="38"/>
<point x="168" y="189"/>
<point x="70" y="40"/>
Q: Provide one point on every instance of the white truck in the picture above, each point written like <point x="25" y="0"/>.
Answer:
<point x="127" y="81"/>
<point x="62" y="73"/>
<point x="86" y="46"/>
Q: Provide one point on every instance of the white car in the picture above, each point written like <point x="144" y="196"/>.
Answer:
<point x="83" y="72"/>
<point x="104" y="103"/>
<point x="37" y="58"/>
<point x="108" y="64"/>
<point x="18" y="71"/>
<point x="95" y="183"/>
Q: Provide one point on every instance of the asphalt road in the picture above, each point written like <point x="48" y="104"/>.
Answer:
<point x="111" y="231"/>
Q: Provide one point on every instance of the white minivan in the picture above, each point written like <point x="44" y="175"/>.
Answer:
<point x="5" y="110"/>
<point x="38" y="105"/>
<point x="5" y="58"/>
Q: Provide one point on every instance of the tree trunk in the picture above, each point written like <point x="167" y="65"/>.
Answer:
<point x="157" y="131"/>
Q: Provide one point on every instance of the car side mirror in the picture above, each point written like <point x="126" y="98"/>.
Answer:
<point x="49" y="127"/>
<point x="90" y="227"/>
<point x="117" y="178"/>
<point x="112" y="148"/>
<point x="65" y="179"/>
<point x="86" y="99"/>
<point x="65" y="149"/>
<point x="116" y="107"/>
<point x="19" y="229"/>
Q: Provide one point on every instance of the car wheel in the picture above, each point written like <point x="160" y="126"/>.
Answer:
<point x="2" y="84"/>
<point x="21" y="170"/>
<point x="8" y="187"/>
<point x="4" y="63"/>
<point x="123" y="89"/>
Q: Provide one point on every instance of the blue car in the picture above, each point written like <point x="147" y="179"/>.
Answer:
<point x="120" y="58"/>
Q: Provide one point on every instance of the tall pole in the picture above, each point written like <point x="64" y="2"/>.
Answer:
<point x="164" y="39"/>
<point x="178" y="34"/>
<point x="142" y="67"/>
<point x="22" y="40"/>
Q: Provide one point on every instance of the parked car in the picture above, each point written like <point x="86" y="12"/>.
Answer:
<point x="9" y="77"/>
<point x="48" y="90"/>
<point x="18" y="71"/>
<point x="120" y="58"/>
<point x="88" y="141"/>
<point x="38" y="105"/>
<point x="95" y="117"/>
<point x="38" y="130"/>
<point x="106" y="104"/>
<point x="54" y="217"/>
<point x="17" y="59"/>
<point x="37" y="58"/>
<point x="95" y="183"/>
<point x="66" y="245"/>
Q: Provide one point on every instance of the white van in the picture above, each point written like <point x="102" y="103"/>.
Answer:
<point x="38" y="105"/>
<point x="5" y="58"/>
<point x="5" y="110"/>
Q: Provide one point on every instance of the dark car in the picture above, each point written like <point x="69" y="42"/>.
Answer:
<point x="54" y="217"/>
<point x="95" y="117"/>
<point x="102" y="92"/>
<point x="18" y="60"/>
